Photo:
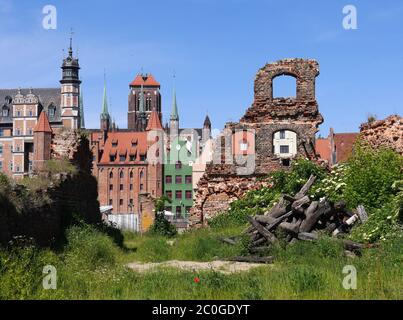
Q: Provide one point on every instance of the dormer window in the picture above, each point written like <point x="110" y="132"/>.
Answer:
<point x="51" y="110"/>
<point x="5" y="111"/>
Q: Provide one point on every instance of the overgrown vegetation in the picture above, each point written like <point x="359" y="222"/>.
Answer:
<point x="161" y="225"/>
<point x="91" y="266"/>
<point x="371" y="177"/>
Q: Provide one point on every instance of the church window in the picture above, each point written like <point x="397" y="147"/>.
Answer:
<point x="111" y="175"/>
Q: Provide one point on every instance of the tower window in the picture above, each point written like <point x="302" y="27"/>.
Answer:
<point x="282" y="134"/>
<point x="284" y="149"/>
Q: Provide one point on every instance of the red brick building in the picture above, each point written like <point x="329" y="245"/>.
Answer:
<point x="127" y="163"/>
<point x="336" y="148"/>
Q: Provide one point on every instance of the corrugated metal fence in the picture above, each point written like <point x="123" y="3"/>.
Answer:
<point x="129" y="222"/>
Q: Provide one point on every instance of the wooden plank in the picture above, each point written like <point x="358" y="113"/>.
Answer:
<point x="262" y="230"/>
<point x="304" y="190"/>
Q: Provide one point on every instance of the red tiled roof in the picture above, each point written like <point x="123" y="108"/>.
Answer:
<point x="150" y="81"/>
<point x="43" y="124"/>
<point x="323" y="149"/>
<point x="154" y="123"/>
<point x="147" y="80"/>
<point x="344" y="143"/>
<point x="125" y="146"/>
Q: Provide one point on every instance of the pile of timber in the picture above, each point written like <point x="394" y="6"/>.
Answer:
<point x="301" y="219"/>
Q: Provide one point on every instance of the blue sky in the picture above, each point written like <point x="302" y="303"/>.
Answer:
<point x="215" y="49"/>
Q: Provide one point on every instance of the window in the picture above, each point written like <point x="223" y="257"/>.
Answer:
<point x="121" y="187"/>
<point x="1" y="132"/>
<point x="110" y="202"/>
<point x="112" y="158"/>
<point x="18" y="113"/>
<point x="18" y="132"/>
<point x="141" y="187"/>
<point x="121" y="175"/>
<point x="168" y="179"/>
<point x="111" y="187"/>
<point x="30" y="131"/>
<point x="51" y="111"/>
<point x="122" y="158"/>
<point x="188" y="194"/>
<point x="131" y="175"/>
<point x="111" y="175"/>
<point x="29" y="165"/>
<point x="178" y="194"/>
<point x="243" y="146"/>
<point x="282" y="134"/>
<point x="284" y="149"/>
<point x="284" y="86"/>
<point x="30" y="113"/>
<point x="11" y="166"/>
<point x="1" y="149"/>
<point x="143" y="157"/>
<point x="132" y="158"/>
<point x="169" y="194"/>
<point x="131" y="187"/>
<point x="121" y="202"/>
<point x="178" y="210"/>
<point x="131" y="202"/>
<point x="178" y="179"/>
<point x="188" y="179"/>
<point x="1" y="165"/>
<point x="286" y="162"/>
<point x="178" y="166"/>
<point x="5" y="112"/>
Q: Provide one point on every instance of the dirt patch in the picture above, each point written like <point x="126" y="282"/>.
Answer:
<point x="226" y="267"/>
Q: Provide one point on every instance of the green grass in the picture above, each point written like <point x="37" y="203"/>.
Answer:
<point x="91" y="266"/>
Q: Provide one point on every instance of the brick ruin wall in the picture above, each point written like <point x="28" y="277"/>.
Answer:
<point x="388" y="132"/>
<point x="225" y="181"/>
<point x="44" y="214"/>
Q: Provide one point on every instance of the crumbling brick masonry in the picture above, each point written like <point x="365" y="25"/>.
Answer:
<point x="271" y="134"/>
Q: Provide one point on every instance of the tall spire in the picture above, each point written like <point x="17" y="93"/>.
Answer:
<point x="71" y="43"/>
<point x="82" y="120"/>
<point x="105" y="111"/>
<point x="174" y="113"/>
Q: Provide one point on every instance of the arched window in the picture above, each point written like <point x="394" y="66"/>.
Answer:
<point x="122" y="175"/>
<point x="284" y="86"/>
<point x="131" y="175"/>
<point x="111" y="175"/>
<point x="285" y="143"/>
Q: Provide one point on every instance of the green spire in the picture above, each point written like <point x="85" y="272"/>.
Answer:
<point x="174" y="113"/>
<point x="82" y="121"/>
<point x="105" y="111"/>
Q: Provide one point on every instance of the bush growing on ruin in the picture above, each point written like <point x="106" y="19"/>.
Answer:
<point x="161" y="225"/>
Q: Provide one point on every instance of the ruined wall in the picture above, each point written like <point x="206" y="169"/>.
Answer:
<point x="388" y="132"/>
<point x="231" y="175"/>
<point x="43" y="206"/>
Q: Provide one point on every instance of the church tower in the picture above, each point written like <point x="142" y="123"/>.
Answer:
<point x="70" y="91"/>
<point x="144" y="93"/>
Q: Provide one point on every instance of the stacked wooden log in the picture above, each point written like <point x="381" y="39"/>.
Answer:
<point x="300" y="218"/>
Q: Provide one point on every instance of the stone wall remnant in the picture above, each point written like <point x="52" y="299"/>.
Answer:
<point x="238" y="163"/>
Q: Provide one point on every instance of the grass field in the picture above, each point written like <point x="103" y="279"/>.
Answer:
<point x="91" y="266"/>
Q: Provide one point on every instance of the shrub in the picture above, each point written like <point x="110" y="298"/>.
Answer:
<point x="161" y="225"/>
<point x="370" y="176"/>
<point x="290" y="182"/>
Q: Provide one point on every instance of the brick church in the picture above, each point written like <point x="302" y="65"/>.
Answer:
<point x="29" y="116"/>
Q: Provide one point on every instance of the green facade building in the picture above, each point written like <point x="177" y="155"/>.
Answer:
<point x="181" y="153"/>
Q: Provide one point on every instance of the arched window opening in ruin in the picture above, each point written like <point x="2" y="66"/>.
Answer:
<point x="285" y="143"/>
<point x="284" y="86"/>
